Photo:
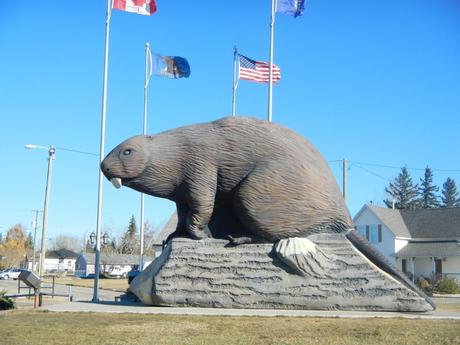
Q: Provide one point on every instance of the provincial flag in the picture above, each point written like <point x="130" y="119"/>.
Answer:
<point x="257" y="71"/>
<point x="144" y="7"/>
<point x="292" y="7"/>
<point x="170" y="66"/>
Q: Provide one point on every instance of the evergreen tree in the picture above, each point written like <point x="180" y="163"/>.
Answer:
<point x="428" y="197"/>
<point x="450" y="197"/>
<point x="129" y="242"/>
<point x="402" y="191"/>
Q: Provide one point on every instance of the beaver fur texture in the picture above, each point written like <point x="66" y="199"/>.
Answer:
<point x="234" y="177"/>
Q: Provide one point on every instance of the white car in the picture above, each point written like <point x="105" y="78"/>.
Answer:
<point x="12" y="273"/>
<point x="118" y="272"/>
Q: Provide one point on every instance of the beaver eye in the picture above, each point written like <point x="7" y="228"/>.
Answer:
<point x="127" y="152"/>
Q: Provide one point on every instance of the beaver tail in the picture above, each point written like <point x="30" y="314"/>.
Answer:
<point x="379" y="260"/>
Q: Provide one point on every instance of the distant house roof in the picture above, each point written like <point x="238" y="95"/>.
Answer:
<point x="392" y="219"/>
<point x="441" y="223"/>
<point x="430" y="249"/>
<point x="168" y="229"/>
<point x="114" y="259"/>
<point x="61" y="254"/>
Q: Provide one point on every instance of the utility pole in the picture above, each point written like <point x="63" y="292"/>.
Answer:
<point x="344" y="182"/>
<point x="51" y="152"/>
<point x="35" y="237"/>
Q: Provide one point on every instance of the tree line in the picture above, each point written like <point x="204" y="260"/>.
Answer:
<point x="15" y="246"/>
<point x="404" y="194"/>
<point x="128" y="242"/>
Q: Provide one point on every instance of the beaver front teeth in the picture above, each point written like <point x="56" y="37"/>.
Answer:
<point x="116" y="181"/>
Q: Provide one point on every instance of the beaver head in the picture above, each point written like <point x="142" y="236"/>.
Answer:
<point x="126" y="162"/>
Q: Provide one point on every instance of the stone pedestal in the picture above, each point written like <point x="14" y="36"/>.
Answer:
<point x="334" y="276"/>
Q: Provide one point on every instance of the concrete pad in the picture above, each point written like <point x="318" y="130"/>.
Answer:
<point x="112" y="307"/>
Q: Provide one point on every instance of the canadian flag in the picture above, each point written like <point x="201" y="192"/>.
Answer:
<point x="144" y="7"/>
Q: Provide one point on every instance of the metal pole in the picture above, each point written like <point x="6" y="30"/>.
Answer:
<point x="141" y="227"/>
<point x="344" y="183"/>
<point x="35" y="240"/>
<point x="270" y="76"/>
<point x="51" y="153"/>
<point x="235" y="55"/>
<point x="101" y="157"/>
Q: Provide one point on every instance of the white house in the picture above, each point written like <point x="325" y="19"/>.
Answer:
<point x="61" y="260"/>
<point x="420" y="242"/>
<point x="85" y="263"/>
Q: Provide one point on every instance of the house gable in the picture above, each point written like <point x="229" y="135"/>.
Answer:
<point x="367" y="222"/>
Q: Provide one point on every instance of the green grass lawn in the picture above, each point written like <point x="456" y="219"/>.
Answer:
<point x="35" y="327"/>
<point x="104" y="283"/>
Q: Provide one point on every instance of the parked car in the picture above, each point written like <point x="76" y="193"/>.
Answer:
<point x="117" y="272"/>
<point x="11" y="273"/>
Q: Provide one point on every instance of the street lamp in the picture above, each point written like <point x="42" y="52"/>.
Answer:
<point x="93" y="241"/>
<point x="51" y="151"/>
<point x="105" y="238"/>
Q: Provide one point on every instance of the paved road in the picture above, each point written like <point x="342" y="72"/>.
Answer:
<point x="78" y="293"/>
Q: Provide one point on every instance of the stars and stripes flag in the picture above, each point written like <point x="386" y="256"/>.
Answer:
<point x="257" y="71"/>
<point x="144" y="7"/>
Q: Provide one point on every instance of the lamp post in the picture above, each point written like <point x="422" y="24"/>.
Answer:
<point x="93" y="240"/>
<point x="51" y="151"/>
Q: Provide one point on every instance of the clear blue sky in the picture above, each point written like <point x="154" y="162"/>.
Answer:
<point x="373" y="82"/>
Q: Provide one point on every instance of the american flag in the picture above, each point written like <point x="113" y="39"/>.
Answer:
<point x="257" y="71"/>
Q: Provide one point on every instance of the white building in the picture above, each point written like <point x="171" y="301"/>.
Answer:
<point x="85" y="263"/>
<point x="61" y="260"/>
<point x="420" y="242"/>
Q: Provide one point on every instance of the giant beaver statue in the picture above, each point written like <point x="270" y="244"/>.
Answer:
<point x="266" y="180"/>
<point x="242" y="179"/>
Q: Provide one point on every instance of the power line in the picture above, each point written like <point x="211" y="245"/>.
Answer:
<point x="77" y="151"/>
<point x="370" y="172"/>
<point x="399" y="167"/>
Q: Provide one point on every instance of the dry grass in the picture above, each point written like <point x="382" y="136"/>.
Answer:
<point x="112" y="284"/>
<point x="32" y="327"/>
<point x="449" y="307"/>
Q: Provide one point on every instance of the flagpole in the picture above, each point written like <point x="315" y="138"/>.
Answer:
<point x="235" y="81"/>
<point x="101" y="157"/>
<point x="146" y="84"/>
<point x="270" y="76"/>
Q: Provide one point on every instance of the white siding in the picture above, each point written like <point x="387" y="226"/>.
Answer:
<point x="387" y="246"/>
<point x="451" y="267"/>
<point x="423" y="267"/>
<point x="399" y="244"/>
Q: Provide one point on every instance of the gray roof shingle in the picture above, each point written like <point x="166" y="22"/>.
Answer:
<point x="421" y="224"/>
<point x="115" y="259"/>
<point x="392" y="219"/>
<point x="430" y="249"/>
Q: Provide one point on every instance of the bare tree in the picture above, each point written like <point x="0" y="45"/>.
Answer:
<point x="62" y="241"/>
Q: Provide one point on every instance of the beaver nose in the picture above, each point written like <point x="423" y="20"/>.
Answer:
<point x="105" y="169"/>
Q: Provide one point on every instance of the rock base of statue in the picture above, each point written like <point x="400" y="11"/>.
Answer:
<point x="333" y="276"/>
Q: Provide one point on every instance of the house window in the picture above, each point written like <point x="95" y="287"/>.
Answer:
<point x="362" y="230"/>
<point x="438" y="266"/>
<point x="404" y="265"/>
<point x="380" y="233"/>
<point x="368" y="237"/>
